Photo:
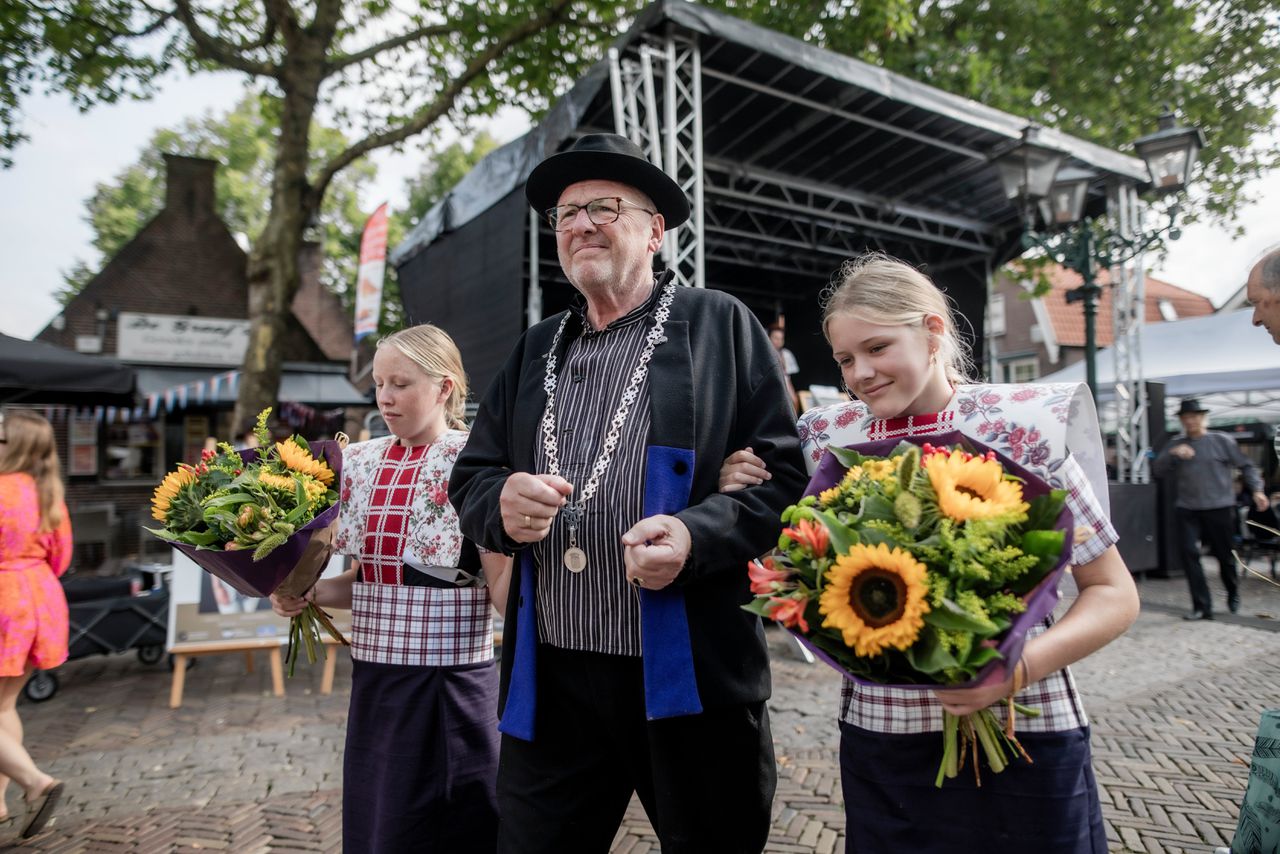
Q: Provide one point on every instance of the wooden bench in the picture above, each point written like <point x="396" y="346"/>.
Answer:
<point x="275" y="655"/>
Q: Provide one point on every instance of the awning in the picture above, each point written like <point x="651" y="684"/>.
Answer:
<point x="308" y="383"/>
<point x="36" y="372"/>
<point x="1198" y="356"/>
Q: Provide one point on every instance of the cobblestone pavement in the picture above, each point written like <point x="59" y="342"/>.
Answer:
<point x="1174" y="706"/>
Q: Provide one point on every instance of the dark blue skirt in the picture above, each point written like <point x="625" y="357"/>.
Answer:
<point x="421" y="761"/>
<point x="892" y="806"/>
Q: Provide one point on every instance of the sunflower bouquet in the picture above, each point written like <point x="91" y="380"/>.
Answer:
<point x="262" y="520"/>
<point x="918" y="566"/>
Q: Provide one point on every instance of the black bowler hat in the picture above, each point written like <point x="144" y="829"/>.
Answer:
<point x="1190" y="405"/>
<point x="606" y="157"/>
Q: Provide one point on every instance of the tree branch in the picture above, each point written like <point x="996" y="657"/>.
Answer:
<point x="211" y="47"/>
<point x="325" y="21"/>
<point x="410" y="37"/>
<point x="443" y="102"/>
<point x="161" y="18"/>
<point x="280" y="13"/>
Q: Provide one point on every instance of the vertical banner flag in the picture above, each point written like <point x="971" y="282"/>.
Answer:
<point x="373" y="263"/>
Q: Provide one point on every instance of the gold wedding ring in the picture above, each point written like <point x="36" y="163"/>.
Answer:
<point x="528" y="521"/>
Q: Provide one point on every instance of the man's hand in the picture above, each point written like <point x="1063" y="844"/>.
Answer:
<point x="655" y="550"/>
<point x="529" y="502"/>
<point x="1182" y="452"/>
<point x="1261" y="501"/>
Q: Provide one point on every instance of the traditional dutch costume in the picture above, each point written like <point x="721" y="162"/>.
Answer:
<point x="890" y="738"/>
<point x="422" y="740"/>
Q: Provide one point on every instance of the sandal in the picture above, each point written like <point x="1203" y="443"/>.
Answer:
<point x="41" y="809"/>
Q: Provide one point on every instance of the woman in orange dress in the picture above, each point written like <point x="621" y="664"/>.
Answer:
<point x="35" y="548"/>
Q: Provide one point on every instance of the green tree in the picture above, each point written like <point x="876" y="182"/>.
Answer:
<point x="442" y="171"/>
<point x="241" y="142"/>
<point x="1102" y="70"/>
<point x="381" y="72"/>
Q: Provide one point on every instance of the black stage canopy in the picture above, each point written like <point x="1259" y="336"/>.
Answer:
<point x="805" y="157"/>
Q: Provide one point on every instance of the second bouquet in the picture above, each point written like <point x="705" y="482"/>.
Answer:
<point x="260" y="519"/>
<point x="919" y="565"/>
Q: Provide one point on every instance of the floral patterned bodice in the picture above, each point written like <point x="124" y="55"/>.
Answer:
<point x="1036" y="426"/>
<point x="433" y="536"/>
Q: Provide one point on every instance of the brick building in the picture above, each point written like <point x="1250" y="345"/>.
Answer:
<point x="1029" y="338"/>
<point x="173" y="303"/>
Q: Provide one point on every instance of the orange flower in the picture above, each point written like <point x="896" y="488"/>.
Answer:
<point x="764" y="577"/>
<point x="789" y="612"/>
<point x="812" y="535"/>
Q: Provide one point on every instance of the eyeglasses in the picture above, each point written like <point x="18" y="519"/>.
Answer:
<point x="599" y="211"/>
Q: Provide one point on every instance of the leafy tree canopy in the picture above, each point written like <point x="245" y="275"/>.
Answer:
<point x="241" y="142"/>
<point x="442" y="171"/>
<point x="381" y="72"/>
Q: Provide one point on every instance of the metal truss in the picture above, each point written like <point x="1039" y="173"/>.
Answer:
<point x="677" y="147"/>
<point x="1128" y="313"/>
<point x="755" y="217"/>
<point x="783" y="211"/>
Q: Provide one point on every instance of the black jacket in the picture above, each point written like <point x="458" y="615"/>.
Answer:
<point x="715" y="387"/>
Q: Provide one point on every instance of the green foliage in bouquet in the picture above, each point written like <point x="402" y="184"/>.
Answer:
<point x="227" y="503"/>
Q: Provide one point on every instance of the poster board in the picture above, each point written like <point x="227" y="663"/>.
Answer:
<point x="204" y="611"/>
<point x="83" y="447"/>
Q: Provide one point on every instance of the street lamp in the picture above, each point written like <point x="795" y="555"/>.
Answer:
<point x="1081" y="243"/>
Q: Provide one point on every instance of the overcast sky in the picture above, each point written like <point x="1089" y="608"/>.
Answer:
<point x="42" y="227"/>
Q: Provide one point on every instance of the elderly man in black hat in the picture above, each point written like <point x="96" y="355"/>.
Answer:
<point x="1200" y="463"/>
<point x="628" y="663"/>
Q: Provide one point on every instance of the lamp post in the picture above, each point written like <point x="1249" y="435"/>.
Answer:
<point x="1035" y="174"/>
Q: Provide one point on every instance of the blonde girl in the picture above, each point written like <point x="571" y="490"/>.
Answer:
<point x="893" y="336"/>
<point x="422" y="741"/>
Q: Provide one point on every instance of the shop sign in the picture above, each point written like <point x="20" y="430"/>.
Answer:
<point x="181" y="340"/>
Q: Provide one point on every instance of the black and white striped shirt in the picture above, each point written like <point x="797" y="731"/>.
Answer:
<point x="596" y="610"/>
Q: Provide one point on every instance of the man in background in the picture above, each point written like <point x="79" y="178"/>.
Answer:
<point x="1201" y="464"/>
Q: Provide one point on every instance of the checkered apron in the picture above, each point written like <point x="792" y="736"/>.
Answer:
<point x="420" y="626"/>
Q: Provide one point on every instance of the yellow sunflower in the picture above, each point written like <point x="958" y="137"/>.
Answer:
<point x="972" y="488"/>
<point x="875" y="596"/>
<point x="298" y="459"/>
<point x="277" y="481"/>
<point x="168" y="490"/>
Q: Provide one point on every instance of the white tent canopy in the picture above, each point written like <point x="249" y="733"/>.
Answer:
<point x="1221" y="358"/>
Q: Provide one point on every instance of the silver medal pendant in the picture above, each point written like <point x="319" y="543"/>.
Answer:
<point x="575" y="559"/>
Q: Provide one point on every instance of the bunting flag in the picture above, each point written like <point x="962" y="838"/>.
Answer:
<point x="373" y="265"/>
<point x="111" y="415"/>
<point x="153" y="405"/>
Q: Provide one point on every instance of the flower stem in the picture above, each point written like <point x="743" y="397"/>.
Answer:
<point x="304" y="631"/>
<point x="950" y="766"/>
<point x="986" y="726"/>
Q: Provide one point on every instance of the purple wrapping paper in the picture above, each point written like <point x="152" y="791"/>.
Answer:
<point x="1040" y="601"/>
<point x="261" y="578"/>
